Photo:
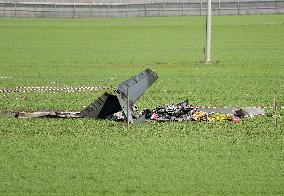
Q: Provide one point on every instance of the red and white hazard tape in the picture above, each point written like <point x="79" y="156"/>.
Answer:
<point x="51" y="89"/>
<point x="68" y="89"/>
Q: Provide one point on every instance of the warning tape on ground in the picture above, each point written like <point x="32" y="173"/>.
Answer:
<point x="69" y="89"/>
<point x="51" y="89"/>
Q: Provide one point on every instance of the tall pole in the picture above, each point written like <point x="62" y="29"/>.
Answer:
<point x="208" y="34"/>
<point x="127" y="109"/>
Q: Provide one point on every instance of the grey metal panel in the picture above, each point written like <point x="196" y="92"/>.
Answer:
<point x="137" y="85"/>
<point x="104" y="106"/>
<point x="251" y="112"/>
<point x="108" y="104"/>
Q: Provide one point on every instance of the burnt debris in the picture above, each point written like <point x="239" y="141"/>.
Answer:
<point x="120" y="106"/>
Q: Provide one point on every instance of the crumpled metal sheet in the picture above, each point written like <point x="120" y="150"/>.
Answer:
<point x="122" y="99"/>
<point x="179" y="112"/>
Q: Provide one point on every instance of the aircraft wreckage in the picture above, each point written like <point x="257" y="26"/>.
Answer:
<point x="119" y="106"/>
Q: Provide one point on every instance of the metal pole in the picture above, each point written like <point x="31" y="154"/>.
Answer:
<point x="4" y="10"/>
<point x="275" y="110"/>
<point x="201" y="7"/>
<point x="35" y="10"/>
<point x="163" y="7"/>
<point x="55" y="10"/>
<point x="15" y="9"/>
<point x="274" y="101"/>
<point x="74" y="9"/>
<point x="145" y="9"/>
<point x="182" y="8"/>
<point x="208" y="34"/>
<point x="127" y="10"/>
<point x="257" y="9"/>
<point x="127" y="108"/>
<point x="219" y="7"/>
<point x="90" y="11"/>
<point x="108" y="10"/>
<point x="238" y="7"/>
<point x="277" y="8"/>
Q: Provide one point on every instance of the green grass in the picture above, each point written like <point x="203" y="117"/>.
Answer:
<point x="102" y="157"/>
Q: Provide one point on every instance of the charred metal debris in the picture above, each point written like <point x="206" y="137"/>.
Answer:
<point x="120" y="106"/>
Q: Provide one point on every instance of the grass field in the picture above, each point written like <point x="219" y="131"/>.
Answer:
<point x="87" y="156"/>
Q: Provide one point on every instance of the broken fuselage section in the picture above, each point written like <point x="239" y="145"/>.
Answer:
<point x="122" y="99"/>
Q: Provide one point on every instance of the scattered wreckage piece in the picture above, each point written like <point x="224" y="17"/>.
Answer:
<point x="120" y="106"/>
<point x="186" y="112"/>
<point x="251" y="112"/>
<point x="122" y="99"/>
<point x="48" y="114"/>
<point x="179" y="112"/>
